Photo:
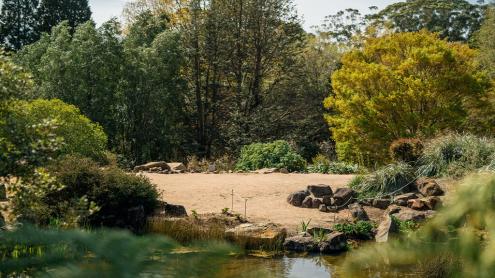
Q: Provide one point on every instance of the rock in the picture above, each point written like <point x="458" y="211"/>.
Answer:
<point x="333" y="209"/>
<point x="417" y="204"/>
<point x="320" y="191"/>
<point x="146" y="167"/>
<point x="307" y="202"/>
<point x="358" y="213"/>
<point x="335" y="242"/>
<point x="284" y="171"/>
<point x="212" y="168"/>
<point x="393" y="209"/>
<point x="381" y="203"/>
<point x="257" y="236"/>
<point x="169" y="210"/>
<point x="317" y="203"/>
<point x="267" y="171"/>
<point x="177" y="166"/>
<point x="300" y="244"/>
<point x="323" y="208"/>
<point x="155" y="170"/>
<point x="429" y="187"/>
<point x="432" y="202"/>
<point x="329" y="201"/>
<point x="386" y="227"/>
<point x="407" y="214"/>
<point x="317" y="230"/>
<point x="343" y="196"/>
<point x="297" y="198"/>
<point x="401" y="200"/>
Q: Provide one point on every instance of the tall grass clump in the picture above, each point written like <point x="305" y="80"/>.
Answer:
<point x="455" y="155"/>
<point x="278" y="154"/>
<point x="457" y="242"/>
<point x="393" y="178"/>
<point x="322" y="165"/>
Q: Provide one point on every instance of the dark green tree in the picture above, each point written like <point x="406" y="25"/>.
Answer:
<point x="18" y="23"/>
<point x="53" y="12"/>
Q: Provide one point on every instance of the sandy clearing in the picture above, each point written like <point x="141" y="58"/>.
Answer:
<point x="266" y="195"/>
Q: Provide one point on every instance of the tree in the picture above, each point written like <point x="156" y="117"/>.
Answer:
<point x="455" y="20"/>
<point x="53" y="12"/>
<point x="403" y="85"/>
<point x="18" y="21"/>
<point x="485" y="41"/>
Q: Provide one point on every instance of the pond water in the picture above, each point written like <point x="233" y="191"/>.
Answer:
<point x="297" y="267"/>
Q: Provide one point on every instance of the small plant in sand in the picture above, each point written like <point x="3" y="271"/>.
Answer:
<point x="305" y="225"/>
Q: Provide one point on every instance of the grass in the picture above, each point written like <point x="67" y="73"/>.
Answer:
<point x="386" y="180"/>
<point x="322" y="165"/>
<point x="455" y="155"/>
<point x="358" y="230"/>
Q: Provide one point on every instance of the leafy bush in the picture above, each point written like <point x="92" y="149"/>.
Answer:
<point x="360" y="229"/>
<point x="386" y="180"/>
<point x="120" y="197"/>
<point x="272" y="155"/>
<point x="80" y="135"/>
<point x="455" y="155"/>
<point x="406" y="150"/>
<point x="321" y="164"/>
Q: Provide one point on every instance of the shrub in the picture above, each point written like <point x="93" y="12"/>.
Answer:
<point x="455" y="155"/>
<point x="272" y="155"/>
<point x="80" y="135"/>
<point x="323" y="165"/>
<point x="112" y="190"/>
<point x="359" y="230"/>
<point x="406" y="150"/>
<point x="393" y="178"/>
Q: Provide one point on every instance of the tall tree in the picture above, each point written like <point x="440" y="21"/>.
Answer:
<point x="18" y="23"/>
<point x="53" y="12"/>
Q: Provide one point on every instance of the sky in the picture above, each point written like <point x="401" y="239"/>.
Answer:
<point x="312" y="11"/>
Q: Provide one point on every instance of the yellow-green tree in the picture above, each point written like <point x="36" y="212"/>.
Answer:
<point x="402" y="85"/>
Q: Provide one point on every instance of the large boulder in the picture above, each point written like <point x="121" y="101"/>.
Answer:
<point x="386" y="227"/>
<point x="320" y="191"/>
<point x="343" y="196"/>
<point x="257" y="236"/>
<point x="177" y="167"/>
<point x="328" y="200"/>
<point x="335" y="242"/>
<point x="358" y="213"/>
<point x="307" y="202"/>
<point x="381" y="203"/>
<point x="300" y="244"/>
<point x="407" y="214"/>
<point x="169" y="210"/>
<point x="152" y="165"/>
<point x="429" y="187"/>
<point x="267" y="171"/>
<point x="428" y="203"/>
<point x="401" y="200"/>
<point x="317" y="202"/>
<point x="297" y="198"/>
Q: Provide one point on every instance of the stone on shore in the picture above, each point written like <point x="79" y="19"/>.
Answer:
<point x="257" y="236"/>
<point x="320" y="191"/>
<point x="296" y="199"/>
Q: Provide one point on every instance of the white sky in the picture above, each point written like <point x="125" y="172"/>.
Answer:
<point x="313" y="11"/>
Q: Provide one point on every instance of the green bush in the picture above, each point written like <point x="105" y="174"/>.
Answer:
<point x="455" y="155"/>
<point x="406" y="150"/>
<point x="393" y="178"/>
<point x="113" y="191"/>
<point x="321" y="164"/>
<point x="278" y="154"/>
<point x="80" y="135"/>
<point x="359" y="230"/>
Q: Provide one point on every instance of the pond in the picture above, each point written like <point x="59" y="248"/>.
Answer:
<point x="298" y="267"/>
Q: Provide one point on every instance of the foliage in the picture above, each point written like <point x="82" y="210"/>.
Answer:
<point x="406" y="150"/>
<point x="80" y="135"/>
<point x="305" y="225"/>
<point x="359" y="230"/>
<point x="124" y="200"/>
<point x="57" y="253"/>
<point x="393" y="178"/>
<point x="386" y="91"/>
<point x="455" y="155"/>
<point x="16" y="82"/>
<point x="463" y="230"/>
<point x="16" y="33"/>
<point x="485" y="41"/>
<point x="52" y="12"/>
<point x="454" y="20"/>
<point x="271" y="155"/>
<point x="321" y="164"/>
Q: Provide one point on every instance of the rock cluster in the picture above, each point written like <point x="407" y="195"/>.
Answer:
<point x="329" y="242"/>
<point x="323" y="198"/>
<point x="162" y="167"/>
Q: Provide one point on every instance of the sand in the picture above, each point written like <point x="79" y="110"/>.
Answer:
<point x="266" y="196"/>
